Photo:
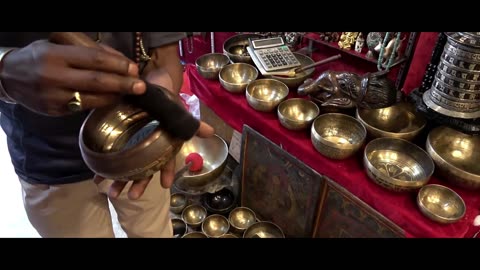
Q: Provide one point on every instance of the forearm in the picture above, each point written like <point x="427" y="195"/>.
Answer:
<point x="165" y="62"/>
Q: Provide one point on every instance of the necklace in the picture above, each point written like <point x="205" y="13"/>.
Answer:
<point x="140" y="53"/>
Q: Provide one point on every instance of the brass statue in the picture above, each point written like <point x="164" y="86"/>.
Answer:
<point x="347" y="39"/>
<point x="346" y="90"/>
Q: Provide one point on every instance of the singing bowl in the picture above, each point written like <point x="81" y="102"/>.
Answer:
<point x="241" y="218"/>
<point x="456" y="156"/>
<point x="337" y="136"/>
<point x="194" y="215"/>
<point x="178" y="202"/>
<point x="300" y="77"/>
<point x="441" y="204"/>
<point x="220" y="202"/>
<point x="215" y="226"/>
<point x="228" y="235"/>
<point x="297" y="113"/>
<point x="179" y="227"/>
<point x="210" y="64"/>
<point x="264" y="95"/>
<point x="235" y="48"/>
<point x="195" y="235"/>
<point x="398" y="121"/>
<point x="123" y="143"/>
<point x="214" y="151"/>
<point x="263" y="229"/>
<point x="235" y="77"/>
<point x="397" y="164"/>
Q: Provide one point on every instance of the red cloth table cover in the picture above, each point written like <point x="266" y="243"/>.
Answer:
<point x="400" y="208"/>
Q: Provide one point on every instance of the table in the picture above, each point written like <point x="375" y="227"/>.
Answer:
<point x="400" y="208"/>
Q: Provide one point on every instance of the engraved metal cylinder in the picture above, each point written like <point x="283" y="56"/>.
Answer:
<point x="455" y="91"/>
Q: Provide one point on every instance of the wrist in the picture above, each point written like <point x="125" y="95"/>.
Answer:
<point x="4" y="96"/>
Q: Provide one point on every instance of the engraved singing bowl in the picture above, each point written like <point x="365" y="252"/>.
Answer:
<point x="294" y="82"/>
<point x="264" y="95"/>
<point x="215" y="226"/>
<point x="337" y="136"/>
<point x="213" y="150"/>
<point x="123" y="142"/>
<point x="263" y="229"/>
<point x="456" y="156"/>
<point x="235" y="48"/>
<point x="397" y="164"/>
<point x="441" y="204"/>
<point x="195" y="235"/>
<point x="178" y="202"/>
<point x="179" y="227"/>
<point x="241" y="218"/>
<point x="297" y="113"/>
<point x="235" y="77"/>
<point x="194" y="215"/>
<point x="398" y="121"/>
<point x="210" y="64"/>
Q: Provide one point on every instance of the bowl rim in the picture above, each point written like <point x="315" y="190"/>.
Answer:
<point x="201" y="57"/>
<point x="320" y="138"/>
<point x="237" y="209"/>
<point x="263" y="222"/>
<point x="434" y="154"/>
<point x="295" y="120"/>
<point x="181" y="195"/>
<point x="249" y="95"/>
<point x="435" y="216"/>
<point x="191" y="206"/>
<point x="215" y="216"/>
<point x="397" y="182"/>
<point x="195" y="232"/>
<point x="224" y="69"/>
<point x="368" y="125"/>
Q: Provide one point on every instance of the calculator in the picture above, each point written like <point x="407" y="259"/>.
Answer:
<point x="273" y="54"/>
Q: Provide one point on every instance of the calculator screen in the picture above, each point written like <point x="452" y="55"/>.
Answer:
<point x="262" y="43"/>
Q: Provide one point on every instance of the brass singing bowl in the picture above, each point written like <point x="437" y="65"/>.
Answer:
<point x="195" y="235"/>
<point x="398" y="121"/>
<point x="241" y="218"/>
<point x="441" y="204"/>
<point x="220" y="202"/>
<point x="264" y="95"/>
<point x="210" y="64"/>
<point x="294" y="82"/>
<point x="228" y="235"/>
<point x="213" y="150"/>
<point x="297" y="113"/>
<point x="397" y="164"/>
<point x="178" y="202"/>
<point x="263" y="229"/>
<point x="194" y="215"/>
<point x="215" y="226"/>
<point x="235" y="77"/>
<point x="235" y="48"/>
<point x="123" y="143"/>
<point x="337" y="136"/>
<point x="179" y="227"/>
<point x="456" y="156"/>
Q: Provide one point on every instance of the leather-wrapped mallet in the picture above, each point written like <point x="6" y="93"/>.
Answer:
<point x="157" y="101"/>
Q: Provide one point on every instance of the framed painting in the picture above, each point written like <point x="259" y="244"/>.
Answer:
<point x="277" y="186"/>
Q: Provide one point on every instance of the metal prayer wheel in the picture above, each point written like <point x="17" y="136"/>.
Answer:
<point x="455" y="91"/>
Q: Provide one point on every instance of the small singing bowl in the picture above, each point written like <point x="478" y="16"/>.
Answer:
<point x="178" y="202"/>
<point x="337" y="136"/>
<point x="263" y="229"/>
<point x="235" y="47"/>
<point x="194" y="215"/>
<point x="241" y="218"/>
<point x="235" y="77"/>
<point x="294" y="82"/>
<point x="397" y="164"/>
<point x="124" y="143"/>
<point x="456" y="156"/>
<point x="441" y="204"/>
<point x="215" y="226"/>
<point x="228" y="235"/>
<point x="264" y="95"/>
<point x="213" y="150"/>
<point x="297" y="113"/>
<point x="179" y="227"/>
<point x="220" y="202"/>
<point x="398" y="121"/>
<point x="195" y="235"/>
<point x="210" y="64"/>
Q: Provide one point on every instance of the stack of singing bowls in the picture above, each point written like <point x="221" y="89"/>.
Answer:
<point x="455" y="91"/>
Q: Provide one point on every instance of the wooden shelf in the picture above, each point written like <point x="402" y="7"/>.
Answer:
<point x="334" y="45"/>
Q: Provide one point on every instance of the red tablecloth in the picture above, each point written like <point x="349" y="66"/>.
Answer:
<point x="400" y="208"/>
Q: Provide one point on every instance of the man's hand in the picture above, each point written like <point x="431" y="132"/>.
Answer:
<point x="44" y="77"/>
